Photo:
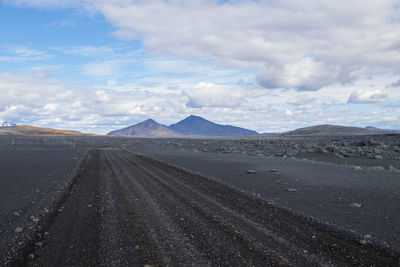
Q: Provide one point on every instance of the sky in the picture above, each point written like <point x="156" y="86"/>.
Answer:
<point x="266" y="65"/>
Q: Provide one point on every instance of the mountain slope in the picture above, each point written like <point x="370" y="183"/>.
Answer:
<point x="327" y="129"/>
<point x="148" y="128"/>
<point x="34" y="131"/>
<point x="197" y="126"/>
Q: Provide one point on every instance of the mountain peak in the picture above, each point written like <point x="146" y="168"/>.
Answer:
<point x="147" y="128"/>
<point x="194" y="117"/>
<point x="198" y="126"/>
<point x="149" y="121"/>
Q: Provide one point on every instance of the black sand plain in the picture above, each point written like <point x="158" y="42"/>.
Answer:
<point x="90" y="201"/>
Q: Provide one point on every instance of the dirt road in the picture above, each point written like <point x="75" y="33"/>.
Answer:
<point x="125" y="209"/>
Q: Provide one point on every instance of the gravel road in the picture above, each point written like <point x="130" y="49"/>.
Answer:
<point x="126" y="209"/>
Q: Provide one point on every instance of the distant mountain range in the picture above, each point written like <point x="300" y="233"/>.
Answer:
<point x="197" y="126"/>
<point x="194" y="126"/>
<point x="190" y="126"/>
<point x="328" y="129"/>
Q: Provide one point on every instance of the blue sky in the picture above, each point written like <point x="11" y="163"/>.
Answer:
<point x="97" y="66"/>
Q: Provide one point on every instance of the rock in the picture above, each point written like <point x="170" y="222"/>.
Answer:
<point x="377" y="168"/>
<point x="34" y="219"/>
<point x="292" y="190"/>
<point x="251" y="172"/>
<point x="378" y="157"/>
<point x="273" y="170"/>
<point x="38" y="244"/>
<point x="324" y="150"/>
<point x="338" y="155"/>
<point x="16" y="213"/>
<point x="363" y="242"/>
<point x="357" y="167"/>
<point x="355" y="205"/>
<point x="19" y="230"/>
<point x="366" y="237"/>
<point x="30" y="256"/>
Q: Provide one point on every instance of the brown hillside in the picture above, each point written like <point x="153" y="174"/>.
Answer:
<point x="32" y="130"/>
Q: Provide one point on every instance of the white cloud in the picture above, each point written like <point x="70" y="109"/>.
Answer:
<point x="301" y="101"/>
<point x="22" y="53"/>
<point x="323" y="43"/>
<point x="51" y="103"/>
<point x="212" y="95"/>
<point x="289" y="113"/>
<point x="368" y="96"/>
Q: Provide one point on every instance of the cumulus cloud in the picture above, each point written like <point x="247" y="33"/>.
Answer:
<point x="322" y="43"/>
<point x="368" y="96"/>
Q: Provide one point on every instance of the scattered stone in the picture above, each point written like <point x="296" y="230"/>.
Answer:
<point x="19" y="230"/>
<point x="251" y="172"/>
<point x="273" y="170"/>
<point x="292" y="190"/>
<point x="30" y="256"/>
<point x="305" y="251"/>
<point x="16" y="213"/>
<point x="367" y="237"/>
<point x="38" y="244"/>
<point x="377" y="168"/>
<point x="338" y="156"/>
<point x="378" y="157"/>
<point x="89" y="206"/>
<point x="355" y="205"/>
<point x="363" y="242"/>
<point x="34" y="219"/>
<point x="357" y="167"/>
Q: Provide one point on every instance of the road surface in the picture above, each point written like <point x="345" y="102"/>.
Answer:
<point x="126" y="209"/>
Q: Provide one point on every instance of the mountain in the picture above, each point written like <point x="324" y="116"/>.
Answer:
<point x="197" y="126"/>
<point x="148" y="128"/>
<point x="36" y="131"/>
<point x="328" y="129"/>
